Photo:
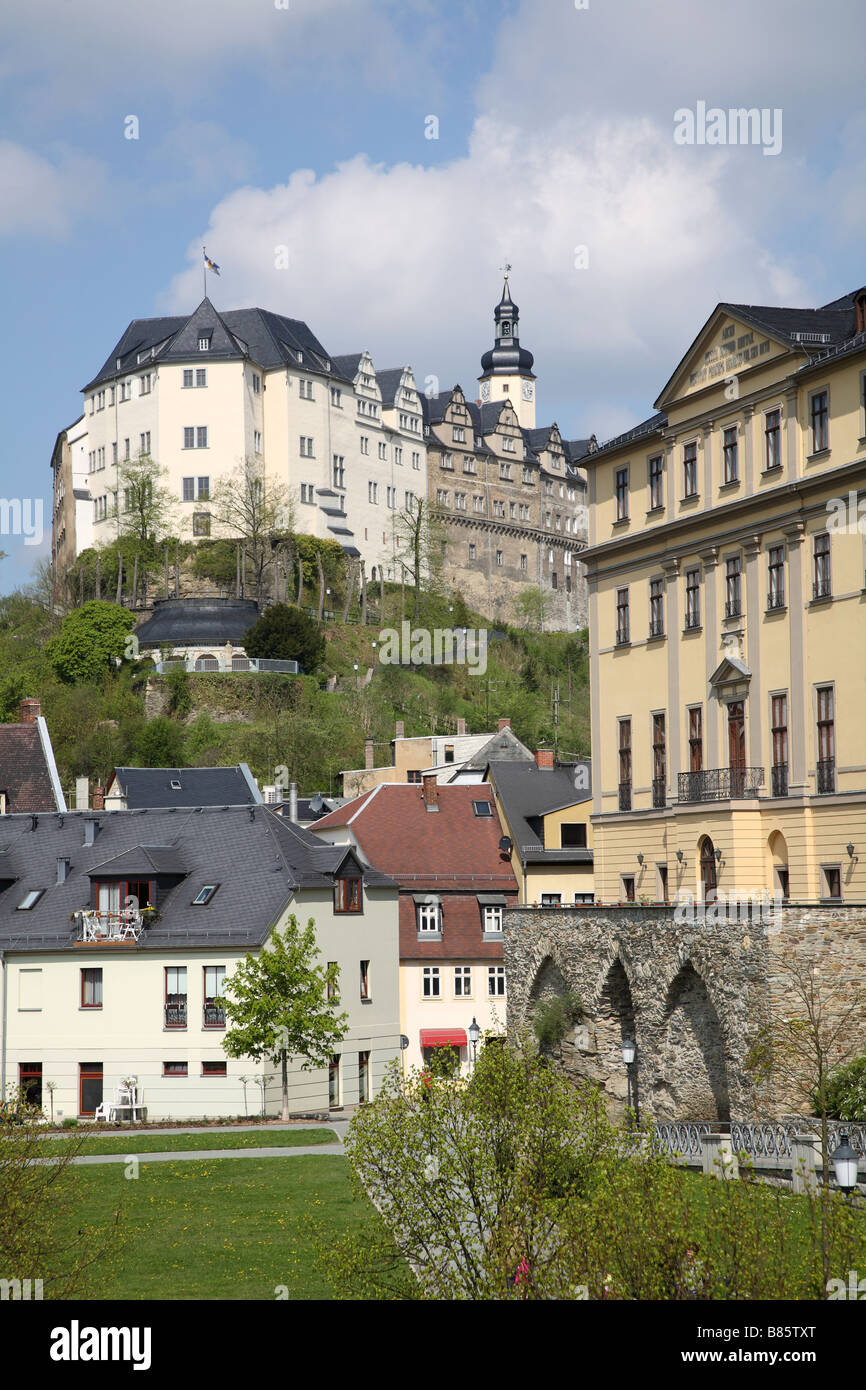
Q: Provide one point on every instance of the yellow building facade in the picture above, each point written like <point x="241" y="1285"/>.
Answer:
<point x="727" y="618"/>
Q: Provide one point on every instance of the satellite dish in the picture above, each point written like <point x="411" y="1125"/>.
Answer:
<point x="317" y="805"/>
<point x="506" y="844"/>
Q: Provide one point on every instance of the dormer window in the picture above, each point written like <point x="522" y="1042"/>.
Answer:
<point x="204" y="344"/>
<point x="347" y="895"/>
<point x="429" y="918"/>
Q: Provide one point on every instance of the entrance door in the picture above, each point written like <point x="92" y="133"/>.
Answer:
<point x="708" y="870"/>
<point x="737" y="746"/>
<point x="89" y="1087"/>
<point x="334" y="1080"/>
<point x="30" y="1081"/>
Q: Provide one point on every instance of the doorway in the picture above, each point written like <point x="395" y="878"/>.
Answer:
<point x="709" y="882"/>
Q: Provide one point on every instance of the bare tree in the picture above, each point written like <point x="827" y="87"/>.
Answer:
<point x="420" y="543"/>
<point x="258" y="510"/>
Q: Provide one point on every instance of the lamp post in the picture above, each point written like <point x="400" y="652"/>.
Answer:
<point x="474" y="1035"/>
<point x="628" y="1055"/>
<point x="845" y="1161"/>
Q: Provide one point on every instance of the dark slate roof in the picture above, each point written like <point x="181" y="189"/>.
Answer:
<point x="260" y="861"/>
<point x="143" y="861"/>
<point x="389" y="380"/>
<point x="527" y="793"/>
<point x="198" y="621"/>
<point x="578" y="448"/>
<point x="270" y="340"/>
<point x="488" y="414"/>
<point x="836" y="320"/>
<point x="28" y="775"/>
<point x="150" y="787"/>
<point x="651" y="426"/>
<point x="346" y="364"/>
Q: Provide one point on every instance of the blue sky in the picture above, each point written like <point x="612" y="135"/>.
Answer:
<point x="305" y="126"/>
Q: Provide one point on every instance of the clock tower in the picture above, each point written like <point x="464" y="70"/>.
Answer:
<point x="506" y="370"/>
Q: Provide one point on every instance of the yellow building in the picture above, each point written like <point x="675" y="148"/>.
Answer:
<point x="544" y="808"/>
<point x="726" y="618"/>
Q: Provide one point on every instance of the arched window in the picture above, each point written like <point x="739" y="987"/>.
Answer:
<point x="708" y="870"/>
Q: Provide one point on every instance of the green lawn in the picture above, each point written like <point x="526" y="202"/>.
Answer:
<point x="228" y="1228"/>
<point x="138" y="1143"/>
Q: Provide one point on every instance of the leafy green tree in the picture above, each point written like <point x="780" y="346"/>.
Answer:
<point x="846" y="1092"/>
<point x="216" y="560"/>
<point x="285" y="633"/>
<point x="279" y="1005"/>
<point x="160" y="744"/>
<point x="419" y="536"/>
<point x="146" y="506"/>
<point x="90" y="638"/>
<point x="532" y="604"/>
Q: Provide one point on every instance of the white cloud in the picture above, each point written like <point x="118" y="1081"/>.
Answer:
<point x="42" y="196"/>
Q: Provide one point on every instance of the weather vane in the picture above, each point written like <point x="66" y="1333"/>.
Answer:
<point x="506" y="268"/>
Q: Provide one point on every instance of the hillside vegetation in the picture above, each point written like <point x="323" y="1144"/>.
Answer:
<point x="99" y="721"/>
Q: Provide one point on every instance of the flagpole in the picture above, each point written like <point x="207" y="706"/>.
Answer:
<point x="204" y="270"/>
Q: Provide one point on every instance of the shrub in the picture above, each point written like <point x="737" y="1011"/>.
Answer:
<point x="846" y="1092"/>
<point x="284" y="633"/>
<point x="554" y="1017"/>
<point x="70" y="1122"/>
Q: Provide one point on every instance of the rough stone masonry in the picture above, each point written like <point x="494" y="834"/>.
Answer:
<point x="692" y="995"/>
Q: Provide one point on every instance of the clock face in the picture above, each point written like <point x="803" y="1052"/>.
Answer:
<point x="485" y="390"/>
<point x="527" y="390"/>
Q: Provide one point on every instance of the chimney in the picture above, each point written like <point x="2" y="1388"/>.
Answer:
<point x="99" y="797"/>
<point x="431" y="791"/>
<point x="82" y="791"/>
<point x="62" y="870"/>
<point x="293" y="802"/>
<point x="400" y="728"/>
<point x="544" y="757"/>
<point x="504" y="724"/>
<point x="461" y="727"/>
<point x="30" y="711"/>
<point x="860" y="313"/>
<point x="368" y="753"/>
<point x="91" y="830"/>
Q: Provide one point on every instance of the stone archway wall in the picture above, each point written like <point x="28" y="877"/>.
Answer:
<point x="695" y="992"/>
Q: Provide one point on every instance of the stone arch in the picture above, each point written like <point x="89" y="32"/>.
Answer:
<point x="777" y="849"/>
<point x="547" y="981"/>
<point x="612" y="1019"/>
<point x="692" y="1053"/>
<point x="207" y="662"/>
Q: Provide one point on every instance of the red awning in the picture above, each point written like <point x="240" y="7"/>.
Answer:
<point x="443" y="1037"/>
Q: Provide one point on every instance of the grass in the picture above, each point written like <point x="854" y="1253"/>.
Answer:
<point x="230" y="1228"/>
<point x="138" y="1143"/>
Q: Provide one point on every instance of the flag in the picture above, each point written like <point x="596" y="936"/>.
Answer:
<point x="211" y="265"/>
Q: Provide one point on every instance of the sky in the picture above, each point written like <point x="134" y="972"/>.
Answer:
<point x="370" y="165"/>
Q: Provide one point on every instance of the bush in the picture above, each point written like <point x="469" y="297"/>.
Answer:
<point x="846" y="1092"/>
<point x="88" y="641"/>
<point x="284" y="633"/>
<point x="70" y="1122"/>
<point x="554" y="1017"/>
<point x="160" y="744"/>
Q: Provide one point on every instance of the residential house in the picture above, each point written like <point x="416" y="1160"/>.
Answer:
<point x="118" y="932"/>
<point x="137" y="788"/>
<point x="545" y="807"/>
<point x="442" y="845"/>
<point x="450" y="757"/>
<point x="28" y="772"/>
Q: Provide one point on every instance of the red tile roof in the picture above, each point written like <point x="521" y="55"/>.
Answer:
<point x="24" y="774"/>
<point x="451" y="852"/>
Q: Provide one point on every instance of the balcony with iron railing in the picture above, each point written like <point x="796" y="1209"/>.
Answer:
<point x="692" y="622"/>
<point x="720" y="784"/>
<point x="822" y="588"/>
<point x="825" y="779"/>
<point x="775" y="601"/>
<point x="734" y="608"/>
<point x="659" y="792"/>
<point x="175" y="1012"/>
<point x="657" y="627"/>
<point x="93" y="925"/>
<point x="779" y="779"/>
<point x="214" y="1015"/>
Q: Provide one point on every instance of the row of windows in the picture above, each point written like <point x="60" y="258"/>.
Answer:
<point x="819" y="422"/>
<point x="175" y="994"/>
<point x="431" y="981"/>
<point x="409" y="498"/>
<point x="96" y="457"/>
<point x="825" y="749"/>
<point x="100" y="399"/>
<point x="429" y="919"/>
<point x="822" y="588"/>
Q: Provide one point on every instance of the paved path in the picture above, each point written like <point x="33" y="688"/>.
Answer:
<point x="165" y="1156"/>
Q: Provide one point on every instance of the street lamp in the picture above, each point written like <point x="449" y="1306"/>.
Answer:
<point x="845" y="1160"/>
<point x="474" y="1035"/>
<point x="629" y="1050"/>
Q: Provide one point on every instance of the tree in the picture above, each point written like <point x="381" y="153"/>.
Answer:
<point x="531" y="604"/>
<point x="846" y="1091"/>
<point x="90" y="638"/>
<point x="815" y="1027"/>
<point x="279" y="1004"/>
<point x="259" y="511"/>
<point x="145" y="505"/>
<point x="419" y="536"/>
<point x="35" y="1178"/>
<point x="160" y="743"/>
<point x="285" y="633"/>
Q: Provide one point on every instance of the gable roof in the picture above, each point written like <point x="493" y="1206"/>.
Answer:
<point x="451" y="848"/>
<point x="504" y="746"/>
<point x="151" y="787"/>
<point x="28" y="773"/>
<point x="389" y="381"/>
<point x="260" y="862"/>
<point x="529" y="792"/>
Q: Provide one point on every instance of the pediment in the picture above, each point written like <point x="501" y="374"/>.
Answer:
<point x="726" y="346"/>
<point x="730" y="672"/>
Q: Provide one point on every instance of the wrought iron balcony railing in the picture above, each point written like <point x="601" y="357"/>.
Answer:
<point x="822" y="589"/>
<point x="175" y="1015"/>
<point x="779" y="779"/>
<point x="657" y="627"/>
<point x="659" y="792"/>
<point x="720" y="783"/>
<point x="214" y="1016"/>
<point x="826" y="776"/>
<point x="733" y="608"/>
<point x="625" y="796"/>
<point x="775" y="601"/>
<point x="693" y="620"/>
